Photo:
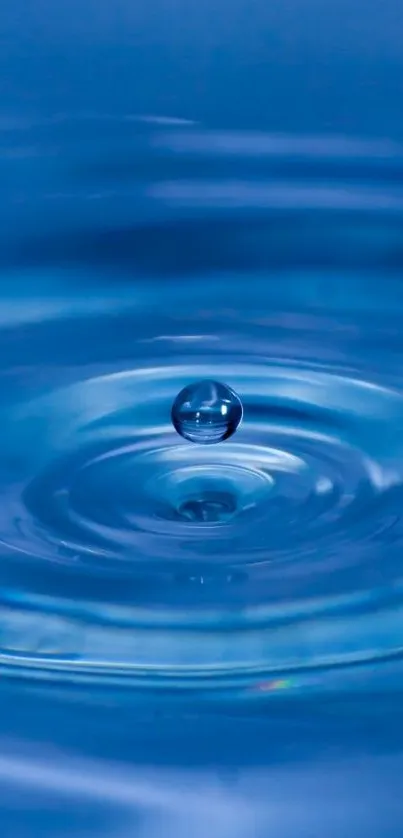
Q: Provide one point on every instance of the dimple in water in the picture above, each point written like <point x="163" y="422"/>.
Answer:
<point x="206" y="412"/>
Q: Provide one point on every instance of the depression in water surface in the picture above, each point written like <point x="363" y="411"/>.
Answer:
<point x="268" y="562"/>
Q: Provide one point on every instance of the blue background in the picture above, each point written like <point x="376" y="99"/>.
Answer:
<point x="85" y="761"/>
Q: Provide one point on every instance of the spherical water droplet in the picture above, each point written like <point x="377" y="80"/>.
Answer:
<point x="206" y="412"/>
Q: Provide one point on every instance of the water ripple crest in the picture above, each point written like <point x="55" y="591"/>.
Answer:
<point x="267" y="564"/>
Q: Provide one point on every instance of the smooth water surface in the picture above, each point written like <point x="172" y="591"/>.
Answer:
<point x="197" y="638"/>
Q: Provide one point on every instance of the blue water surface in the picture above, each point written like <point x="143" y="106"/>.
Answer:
<point x="201" y="640"/>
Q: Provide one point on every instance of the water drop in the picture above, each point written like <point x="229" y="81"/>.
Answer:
<point x="206" y="412"/>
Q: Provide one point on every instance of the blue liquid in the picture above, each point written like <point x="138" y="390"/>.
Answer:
<point x="224" y="609"/>
<point x="206" y="412"/>
<point x="295" y="521"/>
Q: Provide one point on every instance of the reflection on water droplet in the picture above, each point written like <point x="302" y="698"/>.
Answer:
<point x="206" y="412"/>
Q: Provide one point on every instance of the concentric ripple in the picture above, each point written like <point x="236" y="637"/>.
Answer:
<point x="151" y="557"/>
<point x="117" y="484"/>
<point x="272" y="561"/>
